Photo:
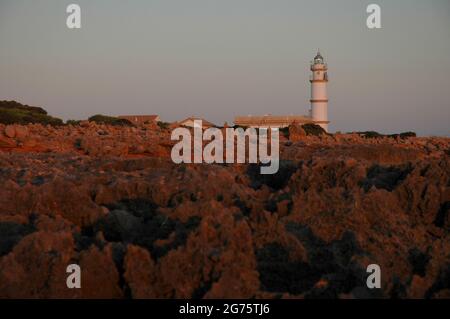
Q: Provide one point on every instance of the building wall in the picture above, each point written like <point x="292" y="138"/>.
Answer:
<point x="271" y="121"/>
<point x="319" y="91"/>
<point x="319" y="112"/>
<point x="191" y="123"/>
<point x="188" y="123"/>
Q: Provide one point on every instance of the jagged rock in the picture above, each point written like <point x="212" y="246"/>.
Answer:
<point x="141" y="226"/>
<point x="140" y="273"/>
<point x="296" y="133"/>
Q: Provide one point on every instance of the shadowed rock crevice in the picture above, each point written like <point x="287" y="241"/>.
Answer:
<point x="118" y="253"/>
<point x="398" y="290"/>
<point x="202" y="290"/>
<point x="275" y="181"/>
<point x="85" y="238"/>
<point x="418" y="261"/>
<point x="245" y="210"/>
<point x="11" y="234"/>
<point x="278" y="273"/>
<point x="272" y="203"/>
<point x="333" y="263"/>
<point x="137" y="222"/>
<point x="443" y="216"/>
<point x="387" y="178"/>
<point x="442" y="282"/>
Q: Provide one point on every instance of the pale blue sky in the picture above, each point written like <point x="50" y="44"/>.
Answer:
<point x="222" y="58"/>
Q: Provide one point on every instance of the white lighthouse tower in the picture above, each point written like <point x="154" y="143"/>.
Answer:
<point x="319" y="95"/>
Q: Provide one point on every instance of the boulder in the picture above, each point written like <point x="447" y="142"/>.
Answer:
<point x="21" y="132"/>
<point x="296" y="133"/>
<point x="10" y="131"/>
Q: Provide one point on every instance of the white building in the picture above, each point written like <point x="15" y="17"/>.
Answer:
<point x="191" y="122"/>
<point x="318" y="113"/>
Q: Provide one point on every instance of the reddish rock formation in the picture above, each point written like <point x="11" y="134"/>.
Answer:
<point x="111" y="200"/>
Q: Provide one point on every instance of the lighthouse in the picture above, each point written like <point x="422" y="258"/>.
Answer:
<point x="319" y="95"/>
<point x="318" y="113"/>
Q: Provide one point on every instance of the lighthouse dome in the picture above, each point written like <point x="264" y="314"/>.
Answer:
<point x="318" y="59"/>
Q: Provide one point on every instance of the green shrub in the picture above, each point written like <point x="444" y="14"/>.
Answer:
<point x="19" y="106"/>
<point x="370" y="134"/>
<point x="109" y="120"/>
<point x="404" y="135"/>
<point x="163" y="125"/>
<point x="285" y="131"/>
<point x="373" y="134"/>
<point x="12" y="112"/>
<point x="313" y="129"/>
<point x="407" y="135"/>
<point x="73" y="122"/>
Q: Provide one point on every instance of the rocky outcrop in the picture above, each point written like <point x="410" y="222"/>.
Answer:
<point x="88" y="138"/>
<point x="110" y="200"/>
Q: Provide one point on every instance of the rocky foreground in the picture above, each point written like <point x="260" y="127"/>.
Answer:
<point x="110" y="200"/>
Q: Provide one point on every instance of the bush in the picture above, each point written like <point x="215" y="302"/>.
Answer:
<point x="163" y="125"/>
<point x="12" y="112"/>
<point x="373" y="134"/>
<point x="370" y="134"/>
<point x="313" y="129"/>
<point x="17" y="105"/>
<point x="109" y="120"/>
<point x="408" y="135"/>
<point x="285" y="131"/>
<point x="73" y="122"/>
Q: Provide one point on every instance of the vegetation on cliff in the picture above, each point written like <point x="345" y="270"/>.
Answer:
<point x="110" y="120"/>
<point x="373" y="134"/>
<point x="12" y="112"/>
